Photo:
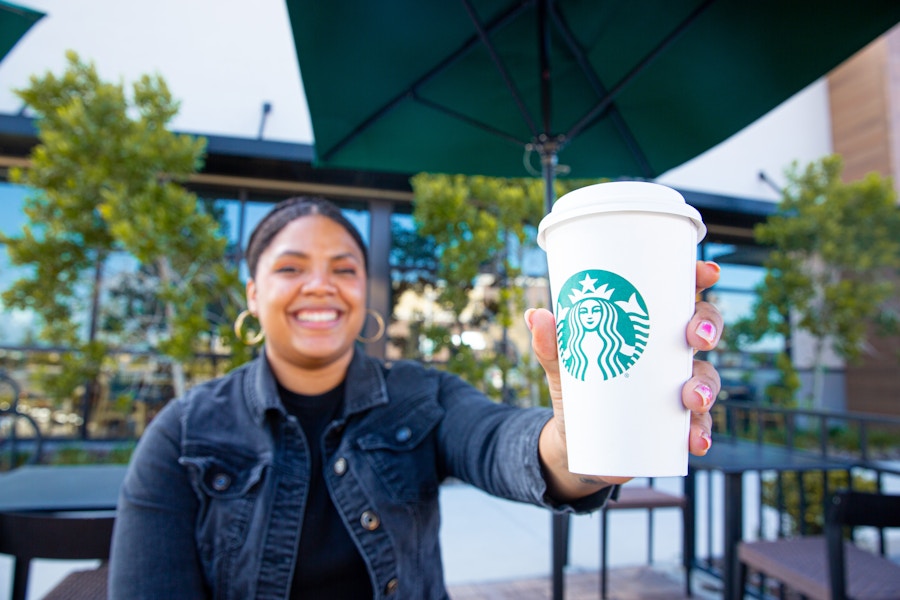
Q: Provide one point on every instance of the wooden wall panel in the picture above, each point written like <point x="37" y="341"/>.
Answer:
<point x="859" y="103"/>
<point x="864" y="95"/>
<point x="874" y="385"/>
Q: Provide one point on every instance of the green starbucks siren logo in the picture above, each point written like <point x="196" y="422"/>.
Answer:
<point x="602" y="325"/>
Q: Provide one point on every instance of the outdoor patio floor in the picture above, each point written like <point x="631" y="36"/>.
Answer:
<point x="496" y="549"/>
<point x="625" y="583"/>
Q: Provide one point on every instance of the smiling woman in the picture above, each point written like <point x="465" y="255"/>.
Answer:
<point x="326" y="462"/>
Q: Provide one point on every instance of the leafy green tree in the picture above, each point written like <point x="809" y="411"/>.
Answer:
<point x="481" y="226"/>
<point x="107" y="178"/>
<point x="833" y="266"/>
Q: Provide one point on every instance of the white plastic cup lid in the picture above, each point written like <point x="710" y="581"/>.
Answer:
<point x="619" y="196"/>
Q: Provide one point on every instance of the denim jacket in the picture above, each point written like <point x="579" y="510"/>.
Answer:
<point x="213" y="503"/>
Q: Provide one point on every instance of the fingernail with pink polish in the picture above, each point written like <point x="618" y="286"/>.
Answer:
<point x="707" y="331"/>
<point x="707" y="440"/>
<point x="705" y="393"/>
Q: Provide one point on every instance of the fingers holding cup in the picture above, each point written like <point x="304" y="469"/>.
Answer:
<point x="699" y="395"/>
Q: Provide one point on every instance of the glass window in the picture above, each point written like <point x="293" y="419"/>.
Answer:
<point x="413" y="263"/>
<point x="227" y="213"/>
<point x="19" y="326"/>
<point x="128" y="317"/>
<point x="253" y="214"/>
<point x="361" y="219"/>
<point x="742" y="265"/>
<point x="745" y="372"/>
<point x="12" y="198"/>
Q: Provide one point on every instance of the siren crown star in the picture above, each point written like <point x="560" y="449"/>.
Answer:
<point x="604" y="292"/>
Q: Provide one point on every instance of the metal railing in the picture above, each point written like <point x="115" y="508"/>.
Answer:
<point x="783" y="504"/>
<point x="862" y="436"/>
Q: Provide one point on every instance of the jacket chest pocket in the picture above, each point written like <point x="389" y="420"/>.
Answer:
<point x="402" y="452"/>
<point x="228" y="486"/>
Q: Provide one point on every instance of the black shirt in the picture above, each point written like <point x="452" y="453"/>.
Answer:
<point x="329" y="566"/>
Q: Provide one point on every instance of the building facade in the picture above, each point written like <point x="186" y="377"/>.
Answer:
<point x="851" y="112"/>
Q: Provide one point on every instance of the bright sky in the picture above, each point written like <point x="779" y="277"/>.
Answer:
<point x="222" y="58"/>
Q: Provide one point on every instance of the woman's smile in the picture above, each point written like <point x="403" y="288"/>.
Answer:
<point x="317" y="316"/>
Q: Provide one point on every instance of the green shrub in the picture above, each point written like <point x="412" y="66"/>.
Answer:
<point x="788" y="501"/>
<point x="82" y="454"/>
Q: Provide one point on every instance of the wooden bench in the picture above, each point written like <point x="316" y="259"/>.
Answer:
<point x="828" y="567"/>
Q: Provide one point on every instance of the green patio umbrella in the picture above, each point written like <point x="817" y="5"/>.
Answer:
<point x="15" y="21"/>
<point x="608" y="88"/>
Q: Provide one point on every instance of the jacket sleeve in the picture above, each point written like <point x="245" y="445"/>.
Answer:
<point x="153" y="553"/>
<point x="495" y="447"/>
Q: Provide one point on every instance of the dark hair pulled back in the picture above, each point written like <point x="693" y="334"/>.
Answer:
<point x="289" y="210"/>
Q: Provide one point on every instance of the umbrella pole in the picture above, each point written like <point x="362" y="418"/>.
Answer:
<point x="559" y="523"/>
<point x="548" y="168"/>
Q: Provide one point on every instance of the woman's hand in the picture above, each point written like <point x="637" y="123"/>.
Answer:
<point x="698" y="393"/>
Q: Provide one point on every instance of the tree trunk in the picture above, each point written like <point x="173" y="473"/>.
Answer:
<point x="818" y="387"/>
<point x="179" y="384"/>
<point x="91" y="386"/>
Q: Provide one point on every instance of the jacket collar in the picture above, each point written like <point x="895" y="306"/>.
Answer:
<point x="365" y="387"/>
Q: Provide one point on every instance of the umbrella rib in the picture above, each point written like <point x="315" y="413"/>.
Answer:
<point x="467" y="119"/>
<point x="410" y="92"/>
<point x="606" y="102"/>
<point x="501" y="69"/>
<point x="594" y="81"/>
<point x="21" y="11"/>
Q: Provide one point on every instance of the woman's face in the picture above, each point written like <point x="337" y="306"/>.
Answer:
<point x="589" y="314"/>
<point x="309" y="294"/>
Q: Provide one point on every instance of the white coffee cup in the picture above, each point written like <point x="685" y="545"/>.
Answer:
<point x="622" y="265"/>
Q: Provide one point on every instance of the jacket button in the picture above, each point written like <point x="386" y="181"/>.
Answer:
<point x="370" y="520"/>
<point x="403" y="434"/>
<point x="391" y="587"/>
<point x="340" y="466"/>
<point x="221" y="482"/>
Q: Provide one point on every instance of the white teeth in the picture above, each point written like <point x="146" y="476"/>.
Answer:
<point x="318" y="316"/>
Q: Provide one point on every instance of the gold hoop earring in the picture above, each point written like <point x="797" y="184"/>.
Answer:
<point x="254" y="337"/>
<point x="381" y="328"/>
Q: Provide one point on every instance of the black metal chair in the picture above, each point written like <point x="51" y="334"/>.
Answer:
<point x="629" y="497"/>
<point x="829" y="567"/>
<point x="72" y="535"/>
<point x="16" y="449"/>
